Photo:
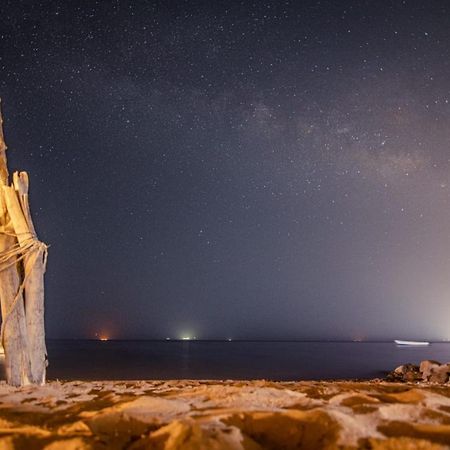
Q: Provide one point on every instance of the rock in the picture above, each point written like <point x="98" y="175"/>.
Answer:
<point x="412" y="375"/>
<point x="440" y="374"/>
<point x="411" y="372"/>
<point x="75" y="443"/>
<point x="394" y="377"/>
<point x="403" y="443"/>
<point x="427" y="367"/>
<point x="7" y="443"/>
<point x="289" y="429"/>
<point x="189" y="435"/>
<point x="429" y="370"/>
<point x="405" y="372"/>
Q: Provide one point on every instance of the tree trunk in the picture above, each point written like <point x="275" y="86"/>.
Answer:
<point x="17" y="363"/>
<point x="14" y="329"/>
<point x="16" y="197"/>
<point x="22" y="267"/>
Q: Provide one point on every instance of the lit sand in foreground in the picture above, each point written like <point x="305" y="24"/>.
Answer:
<point x="225" y="415"/>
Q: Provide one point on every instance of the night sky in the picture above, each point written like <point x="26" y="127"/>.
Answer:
<point x="235" y="169"/>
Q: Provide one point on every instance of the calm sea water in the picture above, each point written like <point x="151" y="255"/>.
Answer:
<point x="114" y="360"/>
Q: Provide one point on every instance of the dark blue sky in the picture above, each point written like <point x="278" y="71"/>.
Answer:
<point x="235" y="169"/>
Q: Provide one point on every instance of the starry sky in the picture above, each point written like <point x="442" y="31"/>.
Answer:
<point x="266" y="169"/>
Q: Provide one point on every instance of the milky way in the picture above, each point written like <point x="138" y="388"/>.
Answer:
<point x="235" y="169"/>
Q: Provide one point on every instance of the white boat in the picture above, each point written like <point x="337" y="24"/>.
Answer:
<point x="419" y="343"/>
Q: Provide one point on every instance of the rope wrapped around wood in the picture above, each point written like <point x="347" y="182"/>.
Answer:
<point x="30" y="247"/>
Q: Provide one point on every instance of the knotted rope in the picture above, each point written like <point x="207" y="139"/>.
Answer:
<point x="28" y="249"/>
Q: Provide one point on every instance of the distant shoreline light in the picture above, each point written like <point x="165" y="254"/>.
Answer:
<point x="101" y="337"/>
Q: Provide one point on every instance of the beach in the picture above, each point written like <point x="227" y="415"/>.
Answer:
<point x="250" y="415"/>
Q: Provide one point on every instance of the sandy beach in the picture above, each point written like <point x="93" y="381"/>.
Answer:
<point x="249" y="415"/>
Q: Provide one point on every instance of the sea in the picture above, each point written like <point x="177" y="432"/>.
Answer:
<point x="238" y="360"/>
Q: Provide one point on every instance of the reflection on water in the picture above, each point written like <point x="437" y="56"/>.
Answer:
<point x="77" y="359"/>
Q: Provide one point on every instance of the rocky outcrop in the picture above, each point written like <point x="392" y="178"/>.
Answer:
<point x="427" y="367"/>
<point x="428" y="371"/>
<point x="405" y="372"/>
<point x="440" y="374"/>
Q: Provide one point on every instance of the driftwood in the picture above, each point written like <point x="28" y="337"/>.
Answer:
<point x="14" y="339"/>
<point x="22" y="267"/>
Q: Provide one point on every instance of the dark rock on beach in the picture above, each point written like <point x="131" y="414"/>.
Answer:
<point x="405" y="372"/>
<point x="428" y="371"/>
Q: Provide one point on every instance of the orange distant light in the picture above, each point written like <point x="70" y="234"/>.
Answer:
<point x="103" y="338"/>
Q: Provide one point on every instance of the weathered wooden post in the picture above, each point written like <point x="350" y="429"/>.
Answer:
<point x="22" y="267"/>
